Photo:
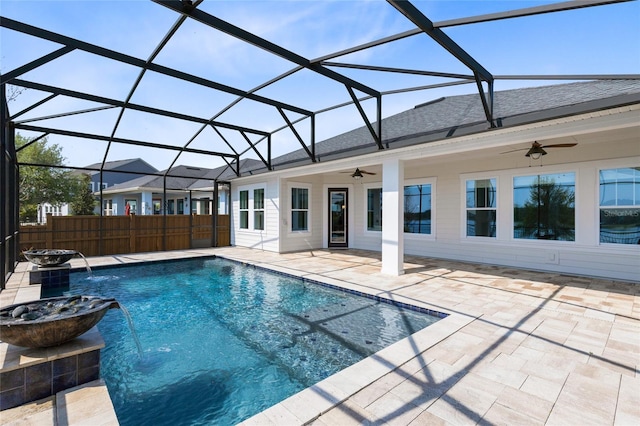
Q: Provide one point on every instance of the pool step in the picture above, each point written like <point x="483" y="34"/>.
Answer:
<point x="88" y="404"/>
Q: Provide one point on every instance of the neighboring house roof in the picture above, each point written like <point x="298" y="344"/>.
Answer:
<point x="188" y="175"/>
<point x="131" y="164"/>
<point x="226" y="173"/>
<point x="190" y="178"/>
<point x="459" y="115"/>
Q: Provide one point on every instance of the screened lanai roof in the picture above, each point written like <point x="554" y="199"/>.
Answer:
<point x="210" y="83"/>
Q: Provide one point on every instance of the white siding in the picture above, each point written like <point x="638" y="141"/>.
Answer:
<point x="268" y="238"/>
<point x="585" y="256"/>
<point x="609" y="147"/>
<point x="294" y="241"/>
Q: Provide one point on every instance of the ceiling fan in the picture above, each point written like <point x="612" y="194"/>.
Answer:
<point x="357" y="174"/>
<point x="536" y="151"/>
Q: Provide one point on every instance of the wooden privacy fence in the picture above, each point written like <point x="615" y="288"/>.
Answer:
<point x="95" y="235"/>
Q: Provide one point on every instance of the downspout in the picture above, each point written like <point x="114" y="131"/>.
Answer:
<point x="101" y="220"/>
<point x="164" y="212"/>
<point x="214" y="215"/>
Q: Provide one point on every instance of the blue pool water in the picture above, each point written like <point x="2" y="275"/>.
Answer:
<point x="222" y="341"/>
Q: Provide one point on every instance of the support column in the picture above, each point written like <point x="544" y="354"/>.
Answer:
<point x="392" y="217"/>
<point x="146" y="201"/>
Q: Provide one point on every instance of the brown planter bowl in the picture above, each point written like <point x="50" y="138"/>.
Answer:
<point x="52" y="332"/>
<point x="49" y="257"/>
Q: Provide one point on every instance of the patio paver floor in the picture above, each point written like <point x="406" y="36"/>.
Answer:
<point x="527" y="347"/>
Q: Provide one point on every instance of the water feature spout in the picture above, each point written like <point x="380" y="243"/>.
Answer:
<point x="53" y="321"/>
<point x="136" y="340"/>
<point x="47" y="258"/>
<point x="86" y="263"/>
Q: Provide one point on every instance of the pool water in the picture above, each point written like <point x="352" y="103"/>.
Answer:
<point x="222" y="341"/>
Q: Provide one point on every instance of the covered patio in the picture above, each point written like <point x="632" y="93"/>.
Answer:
<point x="519" y="347"/>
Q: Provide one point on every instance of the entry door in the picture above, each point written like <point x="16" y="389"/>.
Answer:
<point x="338" y="217"/>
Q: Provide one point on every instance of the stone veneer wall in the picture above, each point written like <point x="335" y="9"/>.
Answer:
<point x="30" y="383"/>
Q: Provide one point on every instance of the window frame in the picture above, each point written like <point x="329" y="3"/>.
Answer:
<point x="258" y="210"/>
<point x="422" y="181"/>
<point x="243" y="210"/>
<point x="367" y="188"/>
<point x="466" y="209"/>
<point x="290" y="187"/>
<point x="250" y="210"/>
<point x="576" y="184"/>
<point x="600" y="207"/>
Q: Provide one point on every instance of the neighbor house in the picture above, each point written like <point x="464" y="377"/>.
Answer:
<point x="113" y="172"/>
<point x="181" y="190"/>
<point x="552" y="183"/>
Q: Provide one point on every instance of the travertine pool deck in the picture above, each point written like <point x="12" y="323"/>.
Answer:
<point x="519" y="347"/>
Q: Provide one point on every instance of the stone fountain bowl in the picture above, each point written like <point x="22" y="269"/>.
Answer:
<point x="49" y="257"/>
<point x="52" y="321"/>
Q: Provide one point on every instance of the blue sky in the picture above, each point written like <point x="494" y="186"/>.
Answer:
<point x="598" y="40"/>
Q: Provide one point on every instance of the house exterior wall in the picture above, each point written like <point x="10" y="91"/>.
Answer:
<point x="606" y="144"/>
<point x="264" y="239"/>
<point x="312" y="238"/>
<point x="45" y="209"/>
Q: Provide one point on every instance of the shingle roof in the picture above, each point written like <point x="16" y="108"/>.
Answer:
<point x="225" y="173"/>
<point x="431" y="121"/>
<point x="118" y="164"/>
<point x="187" y="176"/>
<point x="458" y="115"/>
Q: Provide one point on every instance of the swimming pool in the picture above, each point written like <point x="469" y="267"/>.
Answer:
<point x="222" y="341"/>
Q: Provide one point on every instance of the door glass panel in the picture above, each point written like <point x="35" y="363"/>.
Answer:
<point x="338" y="217"/>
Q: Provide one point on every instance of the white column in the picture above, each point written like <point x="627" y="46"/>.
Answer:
<point x="392" y="217"/>
<point x="187" y="204"/>
<point x="146" y="199"/>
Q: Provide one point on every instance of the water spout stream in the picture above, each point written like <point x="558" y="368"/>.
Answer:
<point x="127" y="315"/>
<point x="86" y="263"/>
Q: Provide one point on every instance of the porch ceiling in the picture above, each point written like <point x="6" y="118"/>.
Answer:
<point x="183" y="80"/>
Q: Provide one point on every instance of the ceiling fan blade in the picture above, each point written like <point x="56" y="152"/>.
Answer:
<point x="514" y="150"/>
<point x="366" y="173"/>
<point x="560" y="145"/>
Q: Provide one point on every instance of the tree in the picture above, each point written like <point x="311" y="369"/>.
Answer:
<point x="83" y="201"/>
<point x="42" y="184"/>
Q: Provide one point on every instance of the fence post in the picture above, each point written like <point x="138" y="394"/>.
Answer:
<point x="133" y="235"/>
<point x="49" y="233"/>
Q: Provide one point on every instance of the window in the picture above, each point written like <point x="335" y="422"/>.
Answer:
<point x="157" y="206"/>
<point x="258" y="209"/>
<point x="205" y="205"/>
<point x="544" y="207"/>
<point x="481" y="208"/>
<point x="244" y="209"/>
<point x="620" y="206"/>
<point x="417" y="209"/>
<point x="180" y="206"/>
<point x="107" y="207"/>
<point x="374" y="209"/>
<point x="133" y="206"/>
<point x="299" y="209"/>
